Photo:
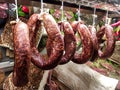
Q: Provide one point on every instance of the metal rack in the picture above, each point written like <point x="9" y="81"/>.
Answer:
<point x="85" y="4"/>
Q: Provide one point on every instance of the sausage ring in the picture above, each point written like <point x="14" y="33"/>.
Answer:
<point x="57" y="45"/>
<point x="110" y="41"/>
<point x="87" y="45"/>
<point x="69" y="43"/>
<point x="95" y="43"/>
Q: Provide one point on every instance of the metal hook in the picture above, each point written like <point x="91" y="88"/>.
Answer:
<point x="41" y="6"/>
<point x="106" y="19"/>
<point x="94" y="16"/>
<point x="79" y="13"/>
<point x="16" y="7"/>
<point x="62" y="11"/>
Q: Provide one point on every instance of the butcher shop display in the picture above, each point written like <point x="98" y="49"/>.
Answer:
<point x="25" y="50"/>
<point x="66" y="45"/>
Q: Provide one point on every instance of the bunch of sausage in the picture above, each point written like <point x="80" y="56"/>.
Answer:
<point x="60" y="50"/>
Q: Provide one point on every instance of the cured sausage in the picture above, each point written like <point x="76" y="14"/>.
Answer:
<point x="69" y="43"/>
<point x="57" y="45"/>
<point x="94" y="37"/>
<point x="49" y="46"/>
<point x="110" y="41"/>
<point x="95" y="43"/>
<point x="74" y="25"/>
<point x="87" y="46"/>
<point x="34" y="25"/>
<point x="22" y="54"/>
<point x="100" y="34"/>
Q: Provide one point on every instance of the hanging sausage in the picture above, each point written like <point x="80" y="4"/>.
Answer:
<point x="57" y="45"/>
<point x="21" y="54"/>
<point x="106" y="30"/>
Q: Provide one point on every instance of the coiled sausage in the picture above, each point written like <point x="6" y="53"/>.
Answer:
<point x="69" y="43"/>
<point x="95" y="43"/>
<point x="34" y="25"/>
<point x="57" y="45"/>
<point x="110" y="41"/>
<point x="87" y="46"/>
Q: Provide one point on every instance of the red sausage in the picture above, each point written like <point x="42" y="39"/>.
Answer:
<point x="33" y="24"/>
<point x="57" y="45"/>
<point x="87" y="46"/>
<point x="74" y="25"/>
<point x="95" y="43"/>
<point x="70" y="43"/>
<point x="94" y="37"/>
<point x="100" y="34"/>
<point x="21" y="53"/>
<point x="49" y="46"/>
<point x="110" y="42"/>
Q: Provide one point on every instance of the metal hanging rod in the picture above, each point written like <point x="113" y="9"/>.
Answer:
<point x="54" y="2"/>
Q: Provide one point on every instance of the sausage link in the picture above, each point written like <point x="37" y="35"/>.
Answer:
<point x="94" y="37"/>
<point x="21" y="54"/>
<point x="34" y="25"/>
<point x="57" y="45"/>
<point x="49" y="46"/>
<point x="100" y="34"/>
<point x="95" y="43"/>
<point x="87" y="46"/>
<point x="69" y="43"/>
<point x="110" y="43"/>
<point x="74" y="25"/>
